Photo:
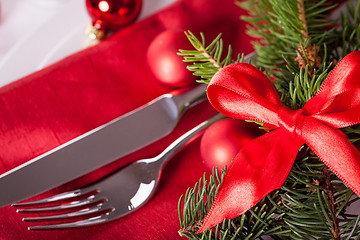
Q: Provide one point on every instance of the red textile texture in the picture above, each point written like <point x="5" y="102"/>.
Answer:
<point x="94" y="86"/>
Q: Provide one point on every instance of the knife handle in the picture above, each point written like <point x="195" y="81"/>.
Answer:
<point x="185" y="99"/>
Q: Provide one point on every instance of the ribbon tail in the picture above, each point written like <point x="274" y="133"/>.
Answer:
<point x="334" y="149"/>
<point x="260" y="167"/>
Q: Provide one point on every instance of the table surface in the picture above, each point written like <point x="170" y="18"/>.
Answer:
<point x="35" y="33"/>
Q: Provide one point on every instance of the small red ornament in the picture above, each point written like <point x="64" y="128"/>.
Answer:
<point x="223" y="140"/>
<point x="111" y="15"/>
<point x="164" y="62"/>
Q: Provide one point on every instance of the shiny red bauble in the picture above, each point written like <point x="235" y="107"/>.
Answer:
<point x="223" y="140"/>
<point x="113" y="14"/>
<point x="167" y="66"/>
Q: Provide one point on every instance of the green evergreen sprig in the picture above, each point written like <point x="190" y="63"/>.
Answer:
<point x="349" y="33"/>
<point x="313" y="203"/>
<point x="283" y="37"/>
<point x="304" y="87"/>
<point x="207" y="59"/>
<point x="261" y="220"/>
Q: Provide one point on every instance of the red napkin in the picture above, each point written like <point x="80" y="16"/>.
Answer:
<point x="94" y="86"/>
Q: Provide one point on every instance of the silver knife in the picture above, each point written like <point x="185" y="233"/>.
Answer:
<point x="98" y="147"/>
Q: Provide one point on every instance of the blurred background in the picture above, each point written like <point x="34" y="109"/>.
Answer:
<point x="36" y="33"/>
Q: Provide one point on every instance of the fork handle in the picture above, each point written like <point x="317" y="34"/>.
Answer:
<point x="163" y="157"/>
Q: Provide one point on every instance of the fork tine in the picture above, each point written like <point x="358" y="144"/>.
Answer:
<point x="83" y="203"/>
<point x="59" y="197"/>
<point x="98" y="209"/>
<point x="77" y="224"/>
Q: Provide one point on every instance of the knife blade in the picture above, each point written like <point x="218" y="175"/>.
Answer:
<point x="98" y="147"/>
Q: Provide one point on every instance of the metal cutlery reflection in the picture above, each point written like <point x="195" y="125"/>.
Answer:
<point x="112" y="197"/>
<point x="99" y="146"/>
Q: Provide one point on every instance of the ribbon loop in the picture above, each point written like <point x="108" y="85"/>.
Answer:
<point x="242" y="91"/>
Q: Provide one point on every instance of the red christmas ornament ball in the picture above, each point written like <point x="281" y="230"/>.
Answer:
<point x="113" y="14"/>
<point x="167" y="66"/>
<point x="222" y="141"/>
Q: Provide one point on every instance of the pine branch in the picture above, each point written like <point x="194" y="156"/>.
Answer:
<point x="316" y="202"/>
<point x="309" y="54"/>
<point x="302" y="17"/>
<point x="313" y="202"/>
<point x="259" y="221"/>
<point x="207" y="59"/>
<point x="288" y="40"/>
<point x="331" y="203"/>
<point x="349" y="31"/>
<point x="304" y="86"/>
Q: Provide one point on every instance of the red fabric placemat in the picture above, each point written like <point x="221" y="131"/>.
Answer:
<point x="96" y="85"/>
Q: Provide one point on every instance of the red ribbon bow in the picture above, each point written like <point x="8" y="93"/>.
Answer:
<point x="242" y="91"/>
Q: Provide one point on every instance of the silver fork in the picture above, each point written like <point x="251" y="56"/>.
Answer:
<point x="113" y="197"/>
